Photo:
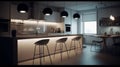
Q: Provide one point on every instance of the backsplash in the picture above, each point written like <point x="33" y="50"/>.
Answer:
<point x="36" y="27"/>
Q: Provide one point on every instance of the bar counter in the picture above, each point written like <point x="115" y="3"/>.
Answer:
<point x="45" y="36"/>
<point x="26" y="44"/>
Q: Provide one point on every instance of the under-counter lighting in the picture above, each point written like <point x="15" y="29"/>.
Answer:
<point x="16" y="20"/>
<point x="33" y="22"/>
<point x="112" y="17"/>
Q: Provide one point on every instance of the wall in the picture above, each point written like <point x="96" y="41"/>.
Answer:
<point x="15" y="14"/>
<point x="106" y="13"/>
<point x="89" y="13"/>
<point x="70" y="20"/>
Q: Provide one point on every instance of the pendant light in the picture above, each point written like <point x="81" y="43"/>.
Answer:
<point x="22" y="8"/>
<point x="47" y="11"/>
<point x="76" y="16"/>
<point x="64" y="13"/>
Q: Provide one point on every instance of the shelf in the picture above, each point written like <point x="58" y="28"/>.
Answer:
<point x="108" y="22"/>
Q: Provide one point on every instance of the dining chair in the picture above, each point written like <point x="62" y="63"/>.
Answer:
<point x="95" y="44"/>
<point x="116" y="45"/>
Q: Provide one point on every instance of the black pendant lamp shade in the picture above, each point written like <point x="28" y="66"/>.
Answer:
<point x="64" y="14"/>
<point x="22" y="8"/>
<point x="76" y="16"/>
<point x="47" y="11"/>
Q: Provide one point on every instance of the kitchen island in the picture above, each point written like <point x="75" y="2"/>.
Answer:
<point x="26" y="44"/>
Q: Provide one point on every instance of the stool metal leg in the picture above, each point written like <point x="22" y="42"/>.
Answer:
<point x="49" y="54"/>
<point x="61" y="47"/>
<point x="43" y="53"/>
<point x="70" y="47"/>
<point x="40" y="55"/>
<point x="80" y="45"/>
<point x="75" y="47"/>
<point x="66" y="49"/>
<point x="34" y="54"/>
<point x="55" y="49"/>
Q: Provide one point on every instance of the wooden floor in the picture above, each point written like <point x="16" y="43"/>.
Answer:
<point x="84" y="57"/>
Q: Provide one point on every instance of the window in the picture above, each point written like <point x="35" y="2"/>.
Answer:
<point x="89" y="22"/>
<point x="90" y="27"/>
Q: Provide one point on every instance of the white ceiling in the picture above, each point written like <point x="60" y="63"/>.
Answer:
<point x="80" y="5"/>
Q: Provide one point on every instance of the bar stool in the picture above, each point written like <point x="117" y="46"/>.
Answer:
<point x="41" y="43"/>
<point x="73" y="46"/>
<point x="61" y="42"/>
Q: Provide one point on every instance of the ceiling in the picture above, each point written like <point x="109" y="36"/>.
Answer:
<point x="80" y="5"/>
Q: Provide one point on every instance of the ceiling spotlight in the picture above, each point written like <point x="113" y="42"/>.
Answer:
<point x="47" y="11"/>
<point x="64" y="14"/>
<point x="22" y="8"/>
<point x="76" y="16"/>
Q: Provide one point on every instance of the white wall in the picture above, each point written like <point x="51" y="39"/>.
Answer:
<point x="70" y="20"/>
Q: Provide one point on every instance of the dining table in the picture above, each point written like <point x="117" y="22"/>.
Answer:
<point x="105" y="37"/>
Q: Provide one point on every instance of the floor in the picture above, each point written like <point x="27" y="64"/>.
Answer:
<point x="83" y="57"/>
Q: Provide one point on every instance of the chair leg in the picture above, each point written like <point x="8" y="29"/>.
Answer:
<point x="61" y="47"/>
<point x="70" y="46"/>
<point x="80" y="45"/>
<point x="91" y="46"/>
<point x="66" y="50"/>
<point x="75" y="48"/>
<point x="55" y="49"/>
<point x="43" y="54"/>
<point x="40" y="55"/>
<point x="49" y="54"/>
<point x="34" y="54"/>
